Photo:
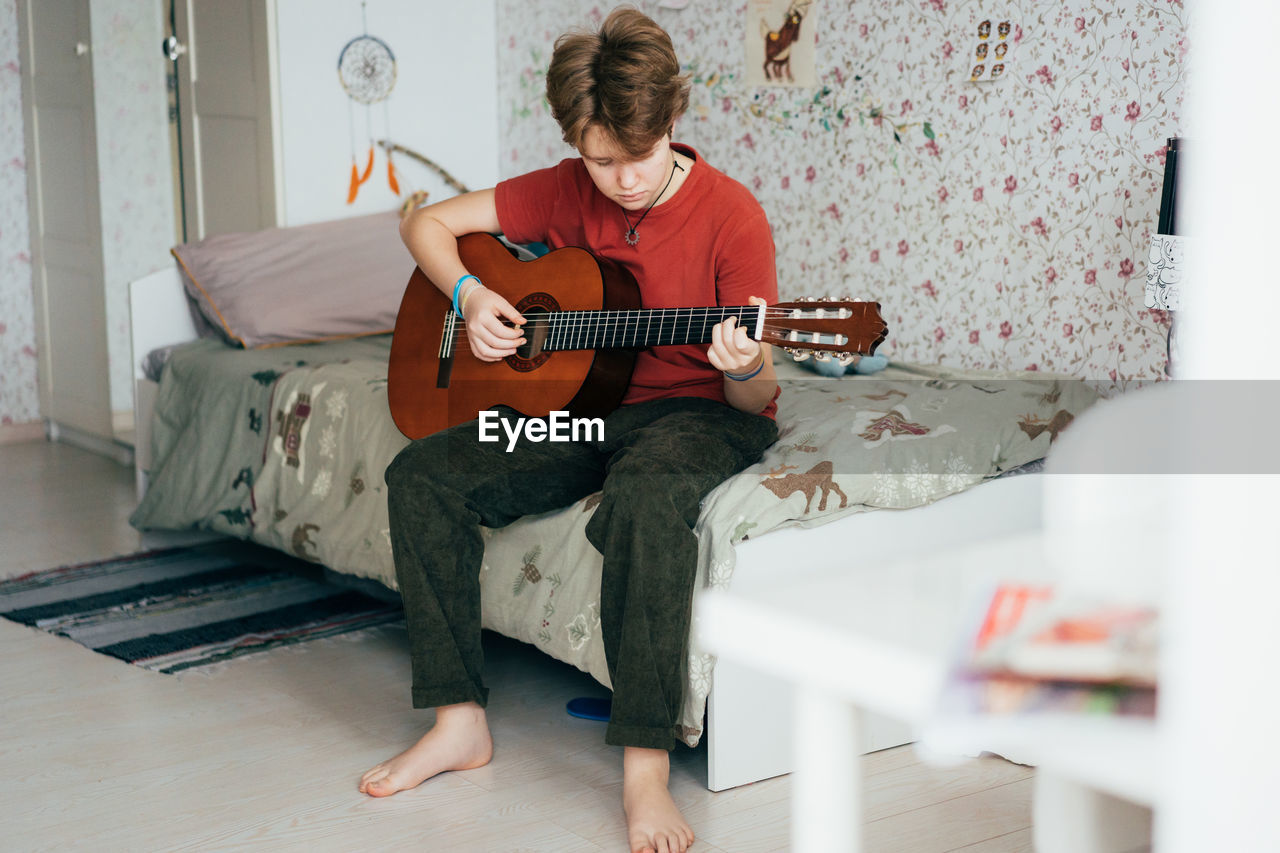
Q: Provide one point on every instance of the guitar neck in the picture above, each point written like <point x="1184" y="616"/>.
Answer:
<point x="648" y="327"/>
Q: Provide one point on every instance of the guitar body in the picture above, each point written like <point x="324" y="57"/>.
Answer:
<point x="428" y="393"/>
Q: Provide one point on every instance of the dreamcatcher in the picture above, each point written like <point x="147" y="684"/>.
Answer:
<point x="367" y="72"/>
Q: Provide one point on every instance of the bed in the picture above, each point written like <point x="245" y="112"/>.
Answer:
<point x="285" y="445"/>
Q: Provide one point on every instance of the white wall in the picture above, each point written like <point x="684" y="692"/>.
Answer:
<point x="444" y="103"/>
<point x="1220" y="696"/>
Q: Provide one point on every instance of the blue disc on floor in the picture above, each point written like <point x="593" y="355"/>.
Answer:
<point x="590" y="708"/>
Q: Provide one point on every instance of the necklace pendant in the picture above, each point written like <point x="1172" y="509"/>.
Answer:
<point x="632" y="236"/>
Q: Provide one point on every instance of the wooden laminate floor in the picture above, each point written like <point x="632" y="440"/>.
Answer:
<point x="265" y="752"/>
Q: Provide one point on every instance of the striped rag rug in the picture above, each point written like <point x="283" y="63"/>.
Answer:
<point x="179" y="608"/>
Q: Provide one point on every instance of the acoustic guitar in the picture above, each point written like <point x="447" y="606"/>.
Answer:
<point x="584" y="328"/>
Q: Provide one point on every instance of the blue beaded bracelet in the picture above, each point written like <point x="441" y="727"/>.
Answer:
<point x="457" y="287"/>
<point x="744" y="377"/>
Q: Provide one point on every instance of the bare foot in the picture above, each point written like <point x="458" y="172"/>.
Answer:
<point x="654" y="824"/>
<point x="459" y="740"/>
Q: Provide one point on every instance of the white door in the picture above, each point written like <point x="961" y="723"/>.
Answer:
<point x="225" y="111"/>
<point x="66" y="237"/>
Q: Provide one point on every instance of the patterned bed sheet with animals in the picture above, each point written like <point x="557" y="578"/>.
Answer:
<point x="287" y="447"/>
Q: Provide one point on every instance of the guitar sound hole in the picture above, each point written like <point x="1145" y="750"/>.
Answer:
<point x="534" y="334"/>
<point x="531" y="355"/>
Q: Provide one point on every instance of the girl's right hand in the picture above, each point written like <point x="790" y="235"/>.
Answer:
<point x="487" y="315"/>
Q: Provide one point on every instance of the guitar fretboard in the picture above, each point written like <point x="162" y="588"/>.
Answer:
<point x="650" y="327"/>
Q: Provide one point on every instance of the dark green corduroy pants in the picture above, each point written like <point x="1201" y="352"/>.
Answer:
<point x="656" y="463"/>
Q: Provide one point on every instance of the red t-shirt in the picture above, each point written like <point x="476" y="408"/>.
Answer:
<point x="709" y="244"/>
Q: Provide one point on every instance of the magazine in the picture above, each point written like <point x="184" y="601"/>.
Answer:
<point x="1037" y="649"/>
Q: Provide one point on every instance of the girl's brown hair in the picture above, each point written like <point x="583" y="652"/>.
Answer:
<point x="625" y="79"/>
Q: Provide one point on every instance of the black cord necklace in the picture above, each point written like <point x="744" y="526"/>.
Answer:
<point x="632" y="236"/>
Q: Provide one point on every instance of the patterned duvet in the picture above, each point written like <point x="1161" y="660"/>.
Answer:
<point x="287" y="447"/>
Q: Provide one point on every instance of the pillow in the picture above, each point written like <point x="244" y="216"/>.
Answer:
<point x="301" y="284"/>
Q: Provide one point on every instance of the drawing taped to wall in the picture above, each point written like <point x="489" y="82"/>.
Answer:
<point x="780" y="39"/>
<point x="367" y="73"/>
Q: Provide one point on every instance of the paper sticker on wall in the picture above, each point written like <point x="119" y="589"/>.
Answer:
<point x="780" y="39"/>
<point x="991" y="48"/>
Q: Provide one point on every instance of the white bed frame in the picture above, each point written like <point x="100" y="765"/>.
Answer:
<point x="749" y="715"/>
<point x="158" y="317"/>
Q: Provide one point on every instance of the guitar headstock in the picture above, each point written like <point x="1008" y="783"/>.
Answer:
<point x="825" y="328"/>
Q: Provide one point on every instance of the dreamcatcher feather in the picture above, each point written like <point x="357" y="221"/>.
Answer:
<point x="367" y="73"/>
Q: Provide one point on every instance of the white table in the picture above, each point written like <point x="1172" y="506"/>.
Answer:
<point x="878" y="638"/>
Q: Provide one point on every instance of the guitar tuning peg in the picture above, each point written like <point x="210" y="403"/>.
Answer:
<point x="845" y="359"/>
<point x="822" y="355"/>
<point x="800" y="354"/>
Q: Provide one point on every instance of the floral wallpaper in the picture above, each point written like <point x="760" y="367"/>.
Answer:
<point x="135" y="191"/>
<point x="19" y="397"/>
<point x="1000" y="224"/>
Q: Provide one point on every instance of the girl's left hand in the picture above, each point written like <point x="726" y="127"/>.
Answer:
<point x="732" y="350"/>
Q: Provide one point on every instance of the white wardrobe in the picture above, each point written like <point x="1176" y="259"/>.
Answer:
<point x="100" y="200"/>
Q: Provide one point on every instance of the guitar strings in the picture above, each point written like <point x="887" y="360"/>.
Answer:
<point x="597" y="317"/>
<point x="567" y="330"/>
<point x="565" y="321"/>
<point x="612" y="320"/>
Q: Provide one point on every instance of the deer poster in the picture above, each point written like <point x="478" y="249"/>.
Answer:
<point x="780" y="37"/>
